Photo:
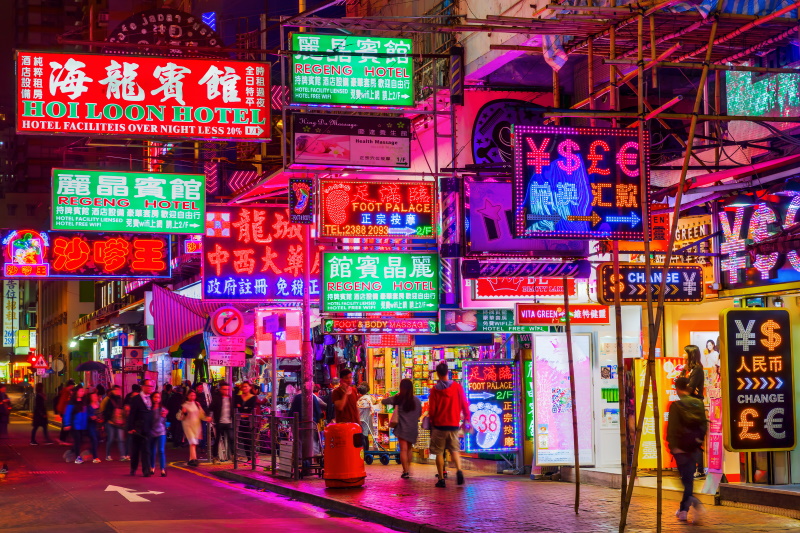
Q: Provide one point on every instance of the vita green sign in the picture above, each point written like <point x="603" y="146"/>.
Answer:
<point x="352" y="70"/>
<point x="355" y="282"/>
<point x="89" y="200"/>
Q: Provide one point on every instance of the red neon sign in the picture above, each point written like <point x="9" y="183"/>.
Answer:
<point x="533" y="314"/>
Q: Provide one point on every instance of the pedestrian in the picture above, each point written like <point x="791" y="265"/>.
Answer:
<point x="222" y="414"/>
<point x="158" y="435"/>
<point x="139" y="424"/>
<point x="114" y="416"/>
<point x="5" y="411"/>
<point x="246" y="403"/>
<point x="101" y="391"/>
<point x="61" y="408"/>
<point x="697" y="379"/>
<point x="686" y="428"/>
<point x="173" y="405"/>
<point x="166" y="392"/>
<point x="318" y="411"/>
<point x="40" y="415"/>
<point x="94" y="423"/>
<point x="446" y="404"/>
<point x="191" y="415"/>
<point x="408" y="409"/>
<point x="345" y="399"/>
<point x="366" y="407"/>
<point x="330" y="409"/>
<point x="76" y="420"/>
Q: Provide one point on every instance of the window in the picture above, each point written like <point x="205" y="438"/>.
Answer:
<point x="31" y="208"/>
<point x="12" y="209"/>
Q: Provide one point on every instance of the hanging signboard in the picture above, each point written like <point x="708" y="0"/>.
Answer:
<point x="226" y="359"/>
<point x="362" y="326"/>
<point x="521" y="288"/>
<point x="348" y="140"/>
<point x="492" y="389"/>
<point x="372" y="208"/>
<point x="11" y="298"/>
<point x="757" y="380"/>
<point x="352" y="70"/>
<point x="578" y="183"/>
<point x="301" y="201"/>
<point x="193" y="244"/>
<point x="684" y="283"/>
<point x="278" y="332"/>
<point x="94" y="200"/>
<point x="389" y="341"/>
<point x="255" y="253"/>
<point x="135" y="96"/>
<point x="132" y="358"/>
<point x="483" y="321"/>
<point x="355" y="282"/>
<point x="530" y="313"/>
<point x="226" y="344"/>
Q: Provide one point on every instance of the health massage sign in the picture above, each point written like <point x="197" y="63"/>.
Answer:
<point x="93" y="200"/>
<point x="153" y="97"/>
<point x="578" y="183"/>
<point x="492" y="393"/>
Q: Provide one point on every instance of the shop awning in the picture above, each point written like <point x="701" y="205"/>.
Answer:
<point x="128" y="317"/>
<point x="476" y="268"/>
<point x="189" y="347"/>
<point x="275" y="184"/>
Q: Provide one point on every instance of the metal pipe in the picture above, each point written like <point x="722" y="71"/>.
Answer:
<point x="573" y="396"/>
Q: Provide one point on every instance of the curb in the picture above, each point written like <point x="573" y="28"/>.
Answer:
<point x="333" y="504"/>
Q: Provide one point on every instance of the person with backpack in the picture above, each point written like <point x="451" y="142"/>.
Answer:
<point x="40" y="415"/>
<point x="447" y="404"/>
<point x="61" y="409"/>
<point x="76" y="420"/>
<point x="686" y="429"/>
<point x="113" y="413"/>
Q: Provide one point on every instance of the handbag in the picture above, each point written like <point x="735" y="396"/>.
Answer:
<point x="181" y="415"/>
<point x="426" y="423"/>
<point x="395" y="419"/>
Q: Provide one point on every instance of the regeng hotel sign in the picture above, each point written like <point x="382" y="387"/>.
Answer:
<point x="132" y="96"/>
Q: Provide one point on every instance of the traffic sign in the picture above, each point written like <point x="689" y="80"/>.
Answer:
<point x="684" y="283"/>
<point x="226" y="344"/>
<point x="132" y="358"/>
<point x="227" y="321"/>
<point x="40" y="362"/>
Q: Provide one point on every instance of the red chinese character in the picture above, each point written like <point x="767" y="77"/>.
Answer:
<point x="505" y="373"/>
<point x="362" y="193"/>
<point x="269" y="255"/>
<point x="111" y="253"/>
<point x="294" y="264"/>
<point x="12" y="270"/>
<point x="259" y="218"/>
<point x="490" y="373"/>
<point x="70" y="254"/>
<point x="420" y="193"/>
<point x="244" y="264"/>
<point x="243" y="225"/>
<point x="390" y="194"/>
<point x="27" y="270"/>
<point x="315" y="266"/>
<point x="475" y="374"/>
<point x="284" y="230"/>
<point x="218" y="258"/>
<point x="149" y="254"/>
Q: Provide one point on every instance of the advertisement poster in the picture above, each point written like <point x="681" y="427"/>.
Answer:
<point x="578" y="183"/>
<point x="521" y="288"/>
<point x="301" y="201"/>
<point x="347" y="140"/>
<point x="135" y="96"/>
<point x="708" y="342"/>
<point x="95" y="200"/>
<point x="484" y="321"/>
<point x="554" y="439"/>
<point x="492" y="389"/>
<point x="11" y="298"/>
<point x="667" y="369"/>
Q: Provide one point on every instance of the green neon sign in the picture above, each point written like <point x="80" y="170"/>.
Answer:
<point x="370" y="71"/>
<point x="89" y="200"/>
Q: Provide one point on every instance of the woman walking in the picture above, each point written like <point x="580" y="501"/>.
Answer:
<point x="158" y="435"/>
<point x="40" y="415"/>
<point x="697" y="380"/>
<point x="246" y="404"/>
<point x="95" y="421"/>
<point x="191" y="415"/>
<point x="113" y="413"/>
<point x="76" y="420"/>
<point x="409" y="409"/>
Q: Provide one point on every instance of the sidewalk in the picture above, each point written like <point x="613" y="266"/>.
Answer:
<point x="494" y="504"/>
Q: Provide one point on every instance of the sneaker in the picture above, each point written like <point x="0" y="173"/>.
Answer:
<point x="49" y="442"/>
<point x="459" y="477"/>
<point x="34" y="443"/>
<point x="126" y="458"/>
<point x="108" y="458"/>
<point x="78" y="460"/>
<point x="699" y="511"/>
<point x="699" y="475"/>
<point x="440" y="484"/>
<point x="683" y="516"/>
<point x="96" y="460"/>
<point x="405" y="475"/>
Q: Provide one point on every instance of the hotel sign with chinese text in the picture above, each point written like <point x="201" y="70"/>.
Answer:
<point x="493" y="392"/>
<point x="364" y="326"/>
<point x="370" y="208"/>
<point x="135" y="96"/>
<point x="255" y="253"/>
<point x="92" y="200"/>
<point x="354" y="282"/>
<point x="367" y="71"/>
<point x="757" y="380"/>
<point x="578" y="183"/>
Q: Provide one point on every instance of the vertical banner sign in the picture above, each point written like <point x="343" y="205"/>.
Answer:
<point x="352" y="70"/>
<point x="578" y="183"/>
<point x="10" y="312"/>
<point x="757" y="380"/>
<point x="666" y="372"/>
<point x="153" y="97"/>
<point x="301" y="201"/>
<point x="554" y="440"/>
<point x="530" y="402"/>
<point x="492" y="389"/>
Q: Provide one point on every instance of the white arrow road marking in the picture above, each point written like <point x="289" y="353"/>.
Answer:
<point x="132" y="495"/>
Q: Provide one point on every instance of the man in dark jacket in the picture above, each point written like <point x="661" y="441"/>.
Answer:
<point x="222" y="414"/>
<point x="686" y="429"/>
<point x="174" y="403"/>
<point x="140" y="422"/>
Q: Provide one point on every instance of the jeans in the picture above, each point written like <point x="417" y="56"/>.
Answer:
<point x="115" y="434"/>
<point x="42" y="425"/>
<point x="686" y="466"/>
<point x="94" y="438"/>
<point x="227" y="431"/>
<point x="157" y="451"/>
<point x="77" y="440"/>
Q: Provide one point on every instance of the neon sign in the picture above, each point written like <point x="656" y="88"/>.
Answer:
<point x="193" y="244"/>
<point x="369" y="208"/>
<point x="684" y="283"/>
<point x="25" y="254"/>
<point x="757" y="380"/>
<point x="362" y="326"/>
<point x="578" y="183"/>
<point x="153" y="97"/>
<point x="492" y="389"/>
<point x="301" y="201"/>
<point x="552" y="314"/>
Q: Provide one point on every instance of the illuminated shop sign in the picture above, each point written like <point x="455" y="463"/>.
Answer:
<point x="483" y="321"/>
<point x="370" y="71"/>
<point x="193" y="244"/>
<point x="371" y="208"/>
<point x="684" y="283"/>
<point x="552" y="314"/>
<point x="757" y="380"/>
<point x="521" y="288"/>
<point x="362" y="326"/>
<point x="492" y="389"/>
<point x="578" y="183"/>
<point x="361" y="282"/>
<point x="92" y="200"/>
<point x="255" y="253"/>
<point x="135" y="96"/>
<point x="301" y="201"/>
<point x="30" y="254"/>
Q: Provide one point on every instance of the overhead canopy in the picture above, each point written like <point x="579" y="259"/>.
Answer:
<point x="276" y="184"/>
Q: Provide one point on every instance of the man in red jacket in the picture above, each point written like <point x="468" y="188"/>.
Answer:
<point x="446" y="404"/>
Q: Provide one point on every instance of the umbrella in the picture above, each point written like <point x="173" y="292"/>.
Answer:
<point x="190" y="346"/>
<point x="91" y="366"/>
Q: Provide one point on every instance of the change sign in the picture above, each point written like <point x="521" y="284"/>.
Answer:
<point x="684" y="283"/>
<point x="757" y="380"/>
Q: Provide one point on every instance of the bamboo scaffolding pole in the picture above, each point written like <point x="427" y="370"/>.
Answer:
<point x="556" y="94"/>
<point x="573" y="396"/>
<point x="699" y="66"/>
<point x="718" y="110"/>
<point x="653" y="50"/>
<point x="590" y="72"/>
<point x="612" y="86"/>
<point x="688" y="29"/>
<point x="666" y="105"/>
<point x="744" y="53"/>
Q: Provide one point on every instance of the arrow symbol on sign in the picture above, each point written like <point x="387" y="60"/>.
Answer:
<point x="633" y="220"/>
<point x="594" y="218"/>
<point x="554" y="218"/>
<point x="749" y="383"/>
<point x="763" y="383"/>
<point x="674" y="289"/>
<point x="633" y="289"/>
<point x="641" y="289"/>
<point x="771" y="383"/>
<point x="480" y="396"/>
<point x="132" y="495"/>
<point x="780" y="382"/>
<point x="755" y="383"/>
<point x="402" y="231"/>
<point x="741" y="384"/>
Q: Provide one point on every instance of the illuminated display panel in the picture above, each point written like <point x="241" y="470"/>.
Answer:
<point x="684" y="283"/>
<point x="483" y="321"/>
<point x="371" y="208"/>
<point x="355" y="282"/>
<point x="301" y="200"/>
<point x="193" y="244"/>
<point x="362" y="75"/>
<point x="757" y="380"/>
<point x="362" y="326"/>
<point x="552" y="314"/>
<point x="255" y="253"/>
<point x="521" y="288"/>
<point x="136" y="96"/>
<point x="93" y="200"/>
<point x="492" y="389"/>
<point x="578" y="183"/>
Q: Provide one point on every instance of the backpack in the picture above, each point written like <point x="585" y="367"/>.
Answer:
<point x="693" y="426"/>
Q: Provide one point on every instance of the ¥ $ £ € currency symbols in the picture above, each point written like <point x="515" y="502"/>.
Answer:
<point x="773" y="340"/>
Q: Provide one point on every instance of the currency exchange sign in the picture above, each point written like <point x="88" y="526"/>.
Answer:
<point x="108" y="201"/>
<point x="578" y="183"/>
<point x="757" y="380"/>
<point x="135" y="96"/>
<point x="352" y="70"/>
<point x="364" y="282"/>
